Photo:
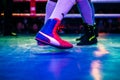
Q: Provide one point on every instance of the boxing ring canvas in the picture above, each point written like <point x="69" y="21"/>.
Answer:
<point x="22" y="59"/>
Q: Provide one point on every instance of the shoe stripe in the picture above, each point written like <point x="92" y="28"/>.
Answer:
<point x="52" y="40"/>
<point x="92" y="37"/>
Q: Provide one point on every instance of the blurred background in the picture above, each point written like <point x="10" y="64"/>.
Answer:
<point x="16" y="17"/>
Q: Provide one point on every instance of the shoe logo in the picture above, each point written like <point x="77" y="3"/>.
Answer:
<point x="52" y="40"/>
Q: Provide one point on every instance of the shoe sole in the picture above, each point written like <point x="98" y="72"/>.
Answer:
<point x="89" y="43"/>
<point x="47" y="43"/>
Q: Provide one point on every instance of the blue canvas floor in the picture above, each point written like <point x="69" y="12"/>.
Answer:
<point x="22" y="59"/>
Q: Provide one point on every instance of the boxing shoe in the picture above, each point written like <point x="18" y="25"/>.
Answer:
<point x="48" y="35"/>
<point x="89" y="37"/>
<point x="85" y="30"/>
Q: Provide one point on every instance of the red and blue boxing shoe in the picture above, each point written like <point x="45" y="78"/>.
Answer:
<point x="48" y="35"/>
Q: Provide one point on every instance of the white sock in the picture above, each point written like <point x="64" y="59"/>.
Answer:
<point x="49" y="9"/>
<point x="62" y="8"/>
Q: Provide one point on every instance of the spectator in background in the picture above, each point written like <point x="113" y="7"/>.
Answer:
<point x="8" y="27"/>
